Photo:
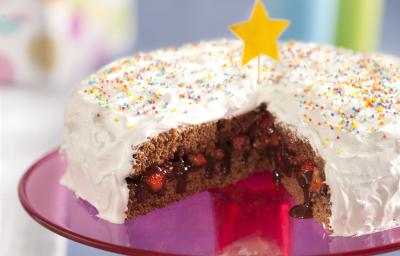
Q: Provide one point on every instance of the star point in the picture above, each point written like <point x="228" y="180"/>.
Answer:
<point x="260" y="34"/>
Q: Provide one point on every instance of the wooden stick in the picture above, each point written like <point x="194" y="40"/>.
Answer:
<point x="258" y="70"/>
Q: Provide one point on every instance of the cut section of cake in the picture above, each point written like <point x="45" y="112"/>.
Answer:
<point x="151" y="129"/>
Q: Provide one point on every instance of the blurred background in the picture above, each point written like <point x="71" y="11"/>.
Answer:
<point x="48" y="46"/>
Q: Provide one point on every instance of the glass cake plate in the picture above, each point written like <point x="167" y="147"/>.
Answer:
<point x="248" y="218"/>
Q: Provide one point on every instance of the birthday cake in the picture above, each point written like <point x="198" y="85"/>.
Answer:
<point x="151" y="129"/>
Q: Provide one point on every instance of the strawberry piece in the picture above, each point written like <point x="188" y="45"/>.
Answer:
<point x="240" y="141"/>
<point x="307" y="166"/>
<point x="315" y="186"/>
<point x="298" y="159"/>
<point x="265" y="139"/>
<point x="274" y="140"/>
<point x="155" y="180"/>
<point x="266" y="123"/>
<point x="197" y="159"/>
<point x="316" y="181"/>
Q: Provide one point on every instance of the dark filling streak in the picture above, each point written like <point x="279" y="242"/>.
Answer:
<point x="285" y="167"/>
<point x="209" y="167"/>
<point x="252" y="133"/>
<point x="138" y="188"/>
<point x="246" y="154"/>
<point x="322" y="192"/>
<point x="181" y="170"/>
<point x="226" y="148"/>
<point x="269" y="153"/>
<point x="226" y="164"/>
<point x="304" y="210"/>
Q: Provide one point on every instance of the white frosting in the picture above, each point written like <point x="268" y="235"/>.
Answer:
<point x="346" y="104"/>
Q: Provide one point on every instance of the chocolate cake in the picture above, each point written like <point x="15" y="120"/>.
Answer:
<point x="151" y="129"/>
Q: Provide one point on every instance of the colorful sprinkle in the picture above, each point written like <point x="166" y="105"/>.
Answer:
<point x="342" y="91"/>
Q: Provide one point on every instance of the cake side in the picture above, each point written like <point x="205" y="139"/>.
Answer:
<point x="99" y="158"/>
<point x="346" y="104"/>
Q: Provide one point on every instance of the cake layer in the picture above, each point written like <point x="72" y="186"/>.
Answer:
<point x="199" y="157"/>
<point x="344" y="104"/>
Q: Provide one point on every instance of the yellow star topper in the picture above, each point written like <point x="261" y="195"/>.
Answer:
<point x="260" y="34"/>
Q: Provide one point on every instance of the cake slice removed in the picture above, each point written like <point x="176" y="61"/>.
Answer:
<point x="151" y="129"/>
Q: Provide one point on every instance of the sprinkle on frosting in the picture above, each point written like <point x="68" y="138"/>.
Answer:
<point x="352" y="88"/>
<point x="153" y="75"/>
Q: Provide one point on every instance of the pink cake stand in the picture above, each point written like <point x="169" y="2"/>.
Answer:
<point x="250" y="216"/>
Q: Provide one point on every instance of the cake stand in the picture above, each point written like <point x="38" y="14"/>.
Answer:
<point x="249" y="217"/>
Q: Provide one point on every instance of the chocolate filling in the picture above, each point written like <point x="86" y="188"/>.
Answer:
<point x="260" y="136"/>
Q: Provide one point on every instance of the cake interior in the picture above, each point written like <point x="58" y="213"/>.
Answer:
<point x="183" y="162"/>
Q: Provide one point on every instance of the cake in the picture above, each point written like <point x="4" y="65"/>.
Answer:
<point x="154" y="128"/>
